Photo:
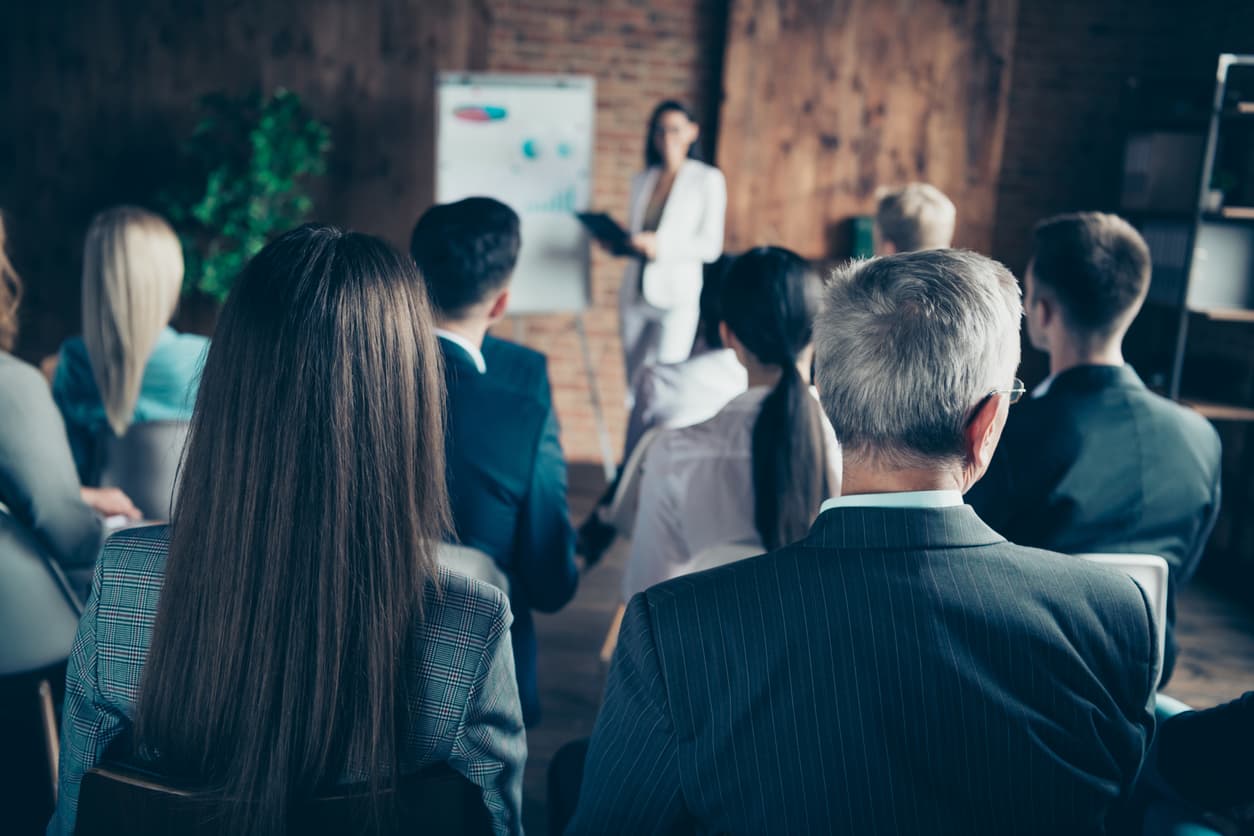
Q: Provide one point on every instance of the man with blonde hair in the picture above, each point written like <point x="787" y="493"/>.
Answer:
<point x="916" y="216"/>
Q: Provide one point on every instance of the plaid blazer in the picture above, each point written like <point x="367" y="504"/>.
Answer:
<point x="463" y="704"/>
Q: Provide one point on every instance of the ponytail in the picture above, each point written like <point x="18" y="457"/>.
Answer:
<point x="769" y="301"/>
<point x="789" y="462"/>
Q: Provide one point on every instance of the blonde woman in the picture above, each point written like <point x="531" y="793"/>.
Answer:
<point x="129" y="366"/>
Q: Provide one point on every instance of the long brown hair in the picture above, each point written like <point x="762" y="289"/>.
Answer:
<point x="10" y="297"/>
<point x="769" y="300"/>
<point x="304" y="532"/>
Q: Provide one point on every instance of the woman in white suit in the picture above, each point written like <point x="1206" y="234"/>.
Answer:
<point x="676" y="220"/>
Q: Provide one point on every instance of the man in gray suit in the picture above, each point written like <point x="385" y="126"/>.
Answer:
<point x="903" y="669"/>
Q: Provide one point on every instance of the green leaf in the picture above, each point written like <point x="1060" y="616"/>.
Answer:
<point x="251" y="163"/>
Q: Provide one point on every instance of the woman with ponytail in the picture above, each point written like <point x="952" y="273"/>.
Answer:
<point x="755" y="474"/>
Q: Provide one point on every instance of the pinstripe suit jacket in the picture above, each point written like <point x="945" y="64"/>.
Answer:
<point x="897" y="671"/>
<point x="463" y="703"/>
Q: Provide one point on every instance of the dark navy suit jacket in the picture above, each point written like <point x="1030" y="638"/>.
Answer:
<point x="507" y="487"/>
<point x="1099" y="463"/>
<point x="897" y="671"/>
<point x="517" y="367"/>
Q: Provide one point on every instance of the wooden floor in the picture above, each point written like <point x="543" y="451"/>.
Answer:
<point x="1216" y="661"/>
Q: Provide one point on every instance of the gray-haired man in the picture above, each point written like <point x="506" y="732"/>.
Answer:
<point x="903" y="669"/>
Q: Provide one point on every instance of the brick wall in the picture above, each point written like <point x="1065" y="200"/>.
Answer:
<point x="639" y="53"/>
<point x="92" y="109"/>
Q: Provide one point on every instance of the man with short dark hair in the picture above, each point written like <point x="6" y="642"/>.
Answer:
<point x="1094" y="461"/>
<point x="506" y="473"/>
<point x="902" y="669"/>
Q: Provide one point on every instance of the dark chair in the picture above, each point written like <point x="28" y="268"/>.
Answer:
<point x="143" y="464"/>
<point x="39" y="616"/>
<point x="117" y="799"/>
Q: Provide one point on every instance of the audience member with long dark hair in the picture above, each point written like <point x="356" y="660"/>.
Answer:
<point x="129" y="365"/>
<point x="301" y="634"/>
<point x="756" y="473"/>
<point x="38" y="484"/>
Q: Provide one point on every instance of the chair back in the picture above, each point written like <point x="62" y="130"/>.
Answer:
<point x="621" y="512"/>
<point x="38" y="612"/>
<point x="117" y="799"/>
<point x="1150" y="573"/>
<point x="144" y="464"/>
<point x="473" y="563"/>
<point x="723" y="554"/>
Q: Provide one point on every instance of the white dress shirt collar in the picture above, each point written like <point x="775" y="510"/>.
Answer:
<point x="897" y="499"/>
<point x="476" y="356"/>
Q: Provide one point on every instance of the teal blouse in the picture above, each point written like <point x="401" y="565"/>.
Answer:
<point x="166" y="393"/>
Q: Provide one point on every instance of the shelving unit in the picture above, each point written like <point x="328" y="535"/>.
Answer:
<point x="1217" y="273"/>
<point x="1188" y="186"/>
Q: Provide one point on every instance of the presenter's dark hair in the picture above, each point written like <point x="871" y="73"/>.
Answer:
<point x="465" y="251"/>
<point x="1098" y="266"/>
<point x="303" y="536"/>
<point x="652" y="156"/>
<point x="769" y="301"/>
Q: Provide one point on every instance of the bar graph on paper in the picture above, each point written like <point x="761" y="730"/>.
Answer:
<point x="561" y="201"/>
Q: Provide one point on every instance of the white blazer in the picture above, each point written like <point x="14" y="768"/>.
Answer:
<point x="689" y="235"/>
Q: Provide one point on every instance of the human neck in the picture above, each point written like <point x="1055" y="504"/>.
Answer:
<point x="471" y="330"/>
<point x="861" y="479"/>
<point x="671" y="167"/>
<point x="1071" y="353"/>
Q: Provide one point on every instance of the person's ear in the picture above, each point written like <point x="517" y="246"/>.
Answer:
<point x="497" y="312"/>
<point x="1046" y="309"/>
<point x="694" y="132"/>
<point x="981" y="435"/>
<point x="726" y="334"/>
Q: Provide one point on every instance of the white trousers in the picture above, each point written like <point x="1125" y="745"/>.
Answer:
<point x="652" y="335"/>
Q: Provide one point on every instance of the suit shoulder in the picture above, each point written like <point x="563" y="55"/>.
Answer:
<point x="513" y="352"/>
<point x="1067" y="578"/>
<point x="136" y="552"/>
<point x="718" y="583"/>
<point x="464" y="611"/>
<point x="511" y="402"/>
<point x="1191" y="422"/>
<point x="17" y="374"/>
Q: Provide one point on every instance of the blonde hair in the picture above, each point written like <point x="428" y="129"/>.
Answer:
<point x="132" y="275"/>
<point x="10" y="297"/>
<point x="914" y="217"/>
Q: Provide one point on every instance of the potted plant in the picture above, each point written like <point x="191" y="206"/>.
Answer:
<point x="249" y="163"/>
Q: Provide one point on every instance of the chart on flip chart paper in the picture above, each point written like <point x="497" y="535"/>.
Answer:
<point x="527" y="141"/>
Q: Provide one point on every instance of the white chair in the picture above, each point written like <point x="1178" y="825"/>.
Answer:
<point x="144" y="464"/>
<point x="473" y="564"/>
<point x="722" y="554"/>
<point x="1150" y="573"/>
<point x="621" y="512"/>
